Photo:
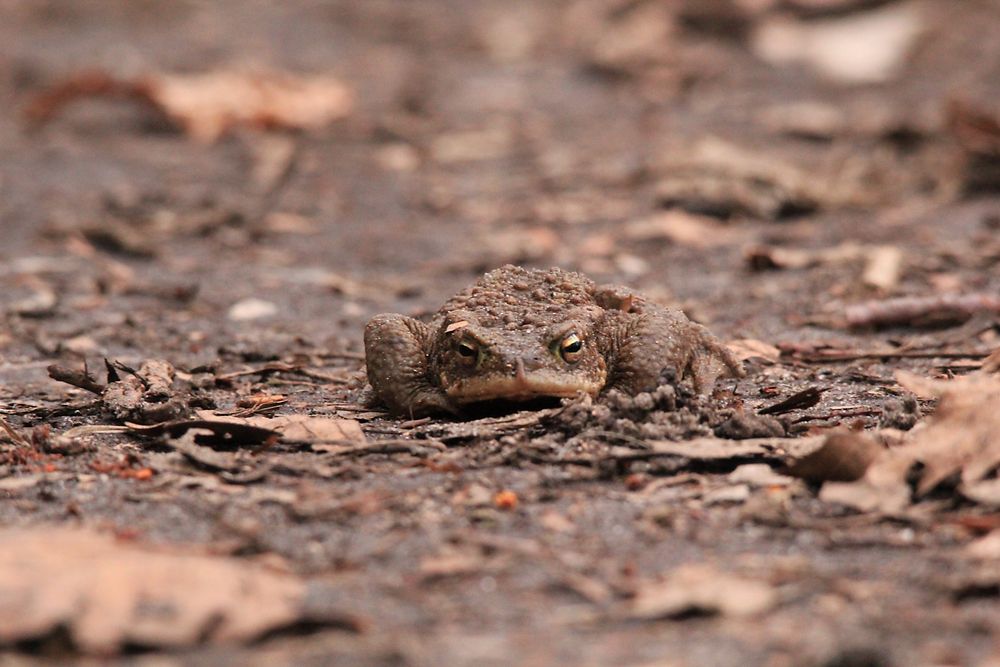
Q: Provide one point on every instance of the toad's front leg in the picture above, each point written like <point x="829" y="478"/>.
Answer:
<point x="642" y="345"/>
<point x="396" y="356"/>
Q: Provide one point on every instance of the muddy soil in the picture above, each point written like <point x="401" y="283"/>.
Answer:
<point x="779" y="200"/>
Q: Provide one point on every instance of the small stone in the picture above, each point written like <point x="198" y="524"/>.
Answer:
<point x="252" y="309"/>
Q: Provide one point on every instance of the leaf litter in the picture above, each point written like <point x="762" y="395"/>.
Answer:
<point x="956" y="451"/>
<point x="210" y="104"/>
<point x="109" y="595"/>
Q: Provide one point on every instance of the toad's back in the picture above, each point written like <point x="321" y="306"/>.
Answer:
<point x="512" y="297"/>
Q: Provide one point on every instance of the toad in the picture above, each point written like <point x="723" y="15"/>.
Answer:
<point x="521" y="334"/>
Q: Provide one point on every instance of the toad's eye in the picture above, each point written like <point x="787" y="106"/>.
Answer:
<point x="570" y="348"/>
<point x="468" y="351"/>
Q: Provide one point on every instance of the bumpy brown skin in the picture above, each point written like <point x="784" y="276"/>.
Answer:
<point x="511" y="337"/>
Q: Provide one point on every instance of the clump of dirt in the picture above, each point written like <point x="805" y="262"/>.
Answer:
<point x="672" y="411"/>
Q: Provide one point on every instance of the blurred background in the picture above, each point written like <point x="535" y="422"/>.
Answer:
<point x="231" y="183"/>
<point x="407" y="147"/>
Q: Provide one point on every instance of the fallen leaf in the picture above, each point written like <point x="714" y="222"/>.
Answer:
<point x="722" y="449"/>
<point x="144" y="396"/>
<point x="701" y="589"/>
<point x="843" y="457"/>
<point x="977" y="131"/>
<point x="991" y="364"/>
<point x="959" y="442"/>
<point x="800" y="400"/>
<point x="986" y="547"/>
<point x="718" y="178"/>
<point x="313" y="429"/>
<point x="860" y="47"/>
<point x="107" y="595"/>
<point x="209" y="104"/>
<point x="217" y="432"/>
<point x="205" y="457"/>
<point x="639" y="36"/>
<point x="251" y="309"/>
<point x="985" y="493"/>
<point x="758" y="474"/>
<point x="331" y="430"/>
<point x="750" y="348"/>
<point x="734" y="494"/>
<point x="451" y="563"/>
<point x="682" y="228"/>
<point x="883" y="267"/>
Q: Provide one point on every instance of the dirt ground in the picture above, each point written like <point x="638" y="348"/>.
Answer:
<point x="738" y="159"/>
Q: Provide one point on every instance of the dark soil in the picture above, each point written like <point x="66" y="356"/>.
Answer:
<point x="490" y="133"/>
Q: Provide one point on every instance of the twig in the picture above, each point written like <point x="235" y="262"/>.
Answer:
<point x="78" y="378"/>
<point x="919" y="310"/>
<point x="835" y="356"/>
<point x="399" y="446"/>
<point x="15" y="437"/>
<point x="798" y="401"/>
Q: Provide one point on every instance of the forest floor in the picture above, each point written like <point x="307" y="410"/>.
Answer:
<point x="830" y="209"/>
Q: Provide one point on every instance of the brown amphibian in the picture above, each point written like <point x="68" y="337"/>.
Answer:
<point x="520" y="334"/>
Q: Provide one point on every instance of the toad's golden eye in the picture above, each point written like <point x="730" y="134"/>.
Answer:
<point x="570" y="348"/>
<point x="468" y="351"/>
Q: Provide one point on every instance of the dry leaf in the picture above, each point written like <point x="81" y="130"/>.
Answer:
<point x="251" y="309"/>
<point x="700" y="589"/>
<point x="960" y="441"/>
<point x="721" y="449"/>
<point x="638" y="37"/>
<point x="299" y="427"/>
<point x="758" y="474"/>
<point x="108" y="594"/>
<point x="986" y="493"/>
<point x="750" y="348"/>
<point x="883" y="267"/>
<point x="861" y="47"/>
<point x="304" y="427"/>
<point x="843" y="457"/>
<point x="986" y="547"/>
<point x="208" y="105"/>
<point x="682" y="228"/>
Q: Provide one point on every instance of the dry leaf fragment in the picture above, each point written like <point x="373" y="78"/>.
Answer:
<point x="961" y="441"/>
<point x="700" y="589"/>
<point x="682" y="228"/>
<point x="635" y="38"/>
<point x="843" y="457"/>
<point x="986" y="547"/>
<point x="883" y="267"/>
<point x="723" y="449"/>
<point x="108" y="594"/>
<point x="251" y="309"/>
<point x="750" y="348"/>
<point x="985" y="493"/>
<point x="861" y="47"/>
<point x="208" y="105"/>
<point x="758" y="475"/>
<point x="305" y="428"/>
<point x="920" y="311"/>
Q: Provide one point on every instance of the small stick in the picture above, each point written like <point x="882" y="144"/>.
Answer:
<point x="918" y="310"/>
<point x="835" y="356"/>
<point x="82" y="378"/>
<point x="806" y="398"/>
<point x="14" y="436"/>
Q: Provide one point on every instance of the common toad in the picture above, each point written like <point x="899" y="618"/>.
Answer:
<point x="519" y="334"/>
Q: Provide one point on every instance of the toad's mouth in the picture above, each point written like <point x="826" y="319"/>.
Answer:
<point x="521" y="386"/>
